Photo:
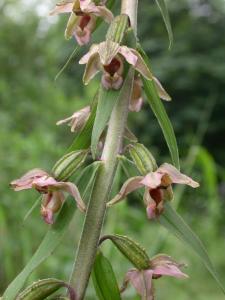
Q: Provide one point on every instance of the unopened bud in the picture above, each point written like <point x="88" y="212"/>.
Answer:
<point x="131" y="250"/>
<point x="143" y="159"/>
<point x="68" y="164"/>
<point x="43" y="288"/>
<point x="117" y="29"/>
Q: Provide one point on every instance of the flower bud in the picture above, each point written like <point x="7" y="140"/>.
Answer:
<point x="117" y="29"/>
<point x="43" y="288"/>
<point x="131" y="250"/>
<point x="68" y="164"/>
<point x="143" y="159"/>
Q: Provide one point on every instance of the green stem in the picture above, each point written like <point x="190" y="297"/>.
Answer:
<point x="97" y="206"/>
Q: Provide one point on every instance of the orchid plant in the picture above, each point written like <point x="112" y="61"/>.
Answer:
<point x="102" y="136"/>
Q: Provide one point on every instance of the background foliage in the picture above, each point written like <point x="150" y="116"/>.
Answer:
<point x="32" y="51"/>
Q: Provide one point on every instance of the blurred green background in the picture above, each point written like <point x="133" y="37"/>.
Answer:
<point x="32" y="51"/>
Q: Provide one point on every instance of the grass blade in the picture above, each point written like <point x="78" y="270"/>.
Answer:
<point x="166" y="18"/>
<point x="161" y="115"/>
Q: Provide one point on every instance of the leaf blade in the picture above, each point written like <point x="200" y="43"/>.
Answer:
<point x="166" y="18"/>
<point x="161" y="115"/>
<point x="104" y="279"/>
<point x="106" y="101"/>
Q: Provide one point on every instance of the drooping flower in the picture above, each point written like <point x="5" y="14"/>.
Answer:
<point x="52" y="190"/>
<point x="157" y="188"/>
<point x="77" y="120"/>
<point x="109" y="57"/>
<point x="82" y="21"/>
<point x="142" y="280"/>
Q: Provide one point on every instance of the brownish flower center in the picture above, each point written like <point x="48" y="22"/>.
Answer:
<point x="156" y="195"/>
<point x="113" y="67"/>
<point x="84" y="21"/>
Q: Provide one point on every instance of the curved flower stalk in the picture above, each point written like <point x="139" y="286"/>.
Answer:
<point x="82" y="21"/>
<point x="52" y="190"/>
<point x="142" y="280"/>
<point x="77" y="120"/>
<point x="109" y="58"/>
<point x="157" y="188"/>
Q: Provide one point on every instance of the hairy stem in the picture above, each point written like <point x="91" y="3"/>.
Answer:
<point x="97" y="205"/>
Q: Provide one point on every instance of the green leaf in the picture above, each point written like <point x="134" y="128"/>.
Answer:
<point x="104" y="279"/>
<point x="172" y="221"/>
<point x="106" y="101"/>
<point x="53" y="236"/>
<point x="166" y="18"/>
<point x="83" y="139"/>
<point x="161" y="115"/>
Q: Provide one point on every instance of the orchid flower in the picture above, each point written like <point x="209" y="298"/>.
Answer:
<point x="160" y="265"/>
<point x="82" y="21"/>
<point x="109" y="57"/>
<point x="77" y="120"/>
<point x="157" y="188"/>
<point x="52" y="190"/>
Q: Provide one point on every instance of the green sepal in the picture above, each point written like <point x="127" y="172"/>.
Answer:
<point x="43" y="288"/>
<point x="117" y="29"/>
<point x="135" y="253"/>
<point x="143" y="159"/>
<point x="68" y="164"/>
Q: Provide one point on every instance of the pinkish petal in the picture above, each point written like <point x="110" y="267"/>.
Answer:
<point x="93" y="50"/>
<point x="44" y="181"/>
<point x="60" y="8"/>
<point x="104" y="13"/>
<point x="176" y="176"/>
<point x="110" y="82"/>
<point x="128" y="54"/>
<point x="26" y="181"/>
<point x="134" y="58"/>
<point x="47" y="215"/>
<point x="84" y="37"/>
<point x="152" y="180"/>
<point x="129" y="186"/>
<point x="161" y="91"/>
<point x="135" y="105"/>
<point x="72" y="189"/>
<point x="165" y="265"/>
<point x="89" y="7"/>
<point x="151" y="210"/>
<point x="170" y="270"/>
<point x="142" y="282"/>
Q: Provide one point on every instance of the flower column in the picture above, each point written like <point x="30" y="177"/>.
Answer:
<point x="97" y="206"/>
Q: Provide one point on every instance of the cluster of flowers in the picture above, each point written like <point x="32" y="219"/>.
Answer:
<point x="157" y="184"/>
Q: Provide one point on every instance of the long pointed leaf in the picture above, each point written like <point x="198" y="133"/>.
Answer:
<point x="104" y="279"/>
<point x="161" y="115"/>
<point x="166" y="18"/>
<point x="171" y="220"/>
<point x="106" y="101"/>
